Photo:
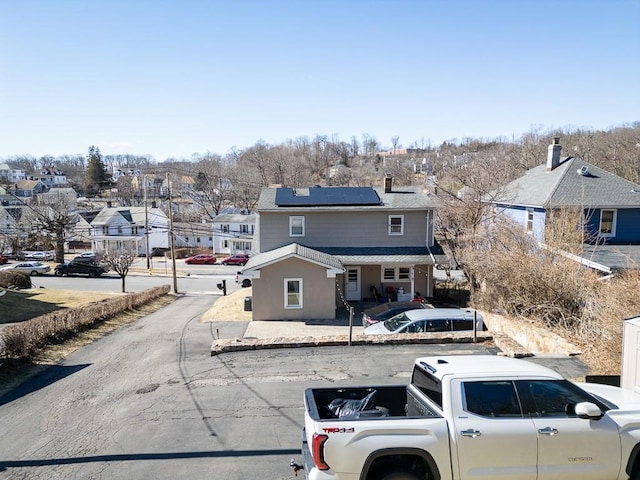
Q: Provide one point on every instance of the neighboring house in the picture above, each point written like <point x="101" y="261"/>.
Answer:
<point x="80" y="235"/>
<point x="58" y="197"/>
<point x="611" y="204"/>
<point x="10" y="174"/>
<point x="51" y="177"/>
<point x="319" y="248"/>
<point x="233" y="233"/>
<point x="116" y="228"/>
<point x="193" y="235"/>
<point x="8" y="230"/>
<point x="28" y="188"/>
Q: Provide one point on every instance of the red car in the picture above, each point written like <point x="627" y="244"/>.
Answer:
<point x="237" y="259"/>
<point x="201" y="259"/>
<point x="3" y="259"/>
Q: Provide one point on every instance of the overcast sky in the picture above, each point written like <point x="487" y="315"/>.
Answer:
<point x="172" y="78"/>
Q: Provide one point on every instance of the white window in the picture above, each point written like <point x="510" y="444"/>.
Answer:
<point x="292" y="293"/>
<point x="296" y="226"/>
<point x="396" y="274"/>
<point x="529" y="220"/>
<point x="244" y="228"/>
<point x="224" y="228"/>
<point x="607" y="223"/>
<point x="225" y="244"/>
<point x="396" y="224"/>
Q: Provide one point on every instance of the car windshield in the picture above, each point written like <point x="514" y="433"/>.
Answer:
<point x="396" y="321"/>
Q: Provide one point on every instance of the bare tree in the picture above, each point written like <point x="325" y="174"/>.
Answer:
<point x="395" y="140"/>
<point x="120" y="261"/>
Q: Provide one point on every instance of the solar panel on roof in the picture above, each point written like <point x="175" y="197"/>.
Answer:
<point x="326" y="196"/>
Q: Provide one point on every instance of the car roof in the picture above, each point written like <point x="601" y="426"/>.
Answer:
<point x="440" y="314"/>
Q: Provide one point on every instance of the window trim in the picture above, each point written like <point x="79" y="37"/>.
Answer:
<point x="614" y="220"/>
<point x="390" y="226"/>
<point x="294" y="218"/>
<point x="528" y="219"/>
<point x="287" y="305"/>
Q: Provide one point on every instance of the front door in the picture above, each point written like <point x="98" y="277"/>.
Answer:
<point x="353" y="290"/>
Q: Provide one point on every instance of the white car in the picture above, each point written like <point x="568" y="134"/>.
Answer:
<point x="428" y="320"/>
<point x="39" y="256"/>
<point x="32" y="268"/>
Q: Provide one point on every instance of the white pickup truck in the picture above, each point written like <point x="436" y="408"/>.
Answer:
<point x="472" y="417"/>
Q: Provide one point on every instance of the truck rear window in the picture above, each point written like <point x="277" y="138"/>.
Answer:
<point x="427" y="384"/>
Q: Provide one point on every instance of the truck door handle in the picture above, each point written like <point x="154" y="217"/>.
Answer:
<point x="470" y="433"/>
<point x="547" y="431"/>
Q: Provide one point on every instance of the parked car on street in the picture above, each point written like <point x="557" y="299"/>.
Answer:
<point x="201" y="259"/>
<point x="3" y="260"/>
<point x="237" y="259"/>
<point x="80" y="266"/>
<point x="32" y="268"/>
<point x="385" y="311"/>
<point x="87" y="255"/>
<point x="429" y="320"/>
<point x="38" y="255"/>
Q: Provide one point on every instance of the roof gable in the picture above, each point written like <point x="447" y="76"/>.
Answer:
<point x="294" y="250"/>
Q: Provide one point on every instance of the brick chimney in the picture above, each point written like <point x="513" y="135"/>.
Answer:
<point x="553" y="156"/>
<point x="388" y="183"/>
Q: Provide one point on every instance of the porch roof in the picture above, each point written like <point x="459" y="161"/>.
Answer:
<point x="386" y="255"/>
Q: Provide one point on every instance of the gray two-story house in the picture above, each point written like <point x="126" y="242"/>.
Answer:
<point x="319" y="248"/>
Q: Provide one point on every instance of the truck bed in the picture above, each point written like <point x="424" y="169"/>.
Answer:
<point x="354" y="403"/>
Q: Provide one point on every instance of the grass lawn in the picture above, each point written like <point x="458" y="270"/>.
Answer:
<point x="17" y="306"/>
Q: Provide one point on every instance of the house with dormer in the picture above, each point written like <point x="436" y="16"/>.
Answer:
<point x="610" y="204"/>
<point x="129" y="228"/>
<point x="319" y="248"/>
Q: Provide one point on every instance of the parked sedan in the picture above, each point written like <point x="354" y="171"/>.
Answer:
<point x="3" y="260"/>
<point x="385" y="311"/>
<point x="32" y="268"/>
<point x="38" y="255"/>
<point x="429" y="320"/>
<point x="237" y="259"/>
<point x="201" y="259"/>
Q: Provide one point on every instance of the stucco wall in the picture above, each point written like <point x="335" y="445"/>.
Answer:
<point x="318" y="292"/>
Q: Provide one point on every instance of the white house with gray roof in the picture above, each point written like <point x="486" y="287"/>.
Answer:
<point x="233" y="233"/>
<point x="118" y="228"/>
<point x="611" y="204"/>
<point x="317" y="249"/>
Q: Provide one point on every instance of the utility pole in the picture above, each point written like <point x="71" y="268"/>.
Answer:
<point x="171" y="244"/>
<point x="146" y="223"/>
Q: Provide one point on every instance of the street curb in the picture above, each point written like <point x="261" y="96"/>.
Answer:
<point x="228" y="345"/>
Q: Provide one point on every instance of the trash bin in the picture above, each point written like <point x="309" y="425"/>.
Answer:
<point x="247" y="304"/>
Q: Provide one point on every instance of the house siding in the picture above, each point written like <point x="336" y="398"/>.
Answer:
<point x="318" y="292"/>
<point x="518" y="214"/>
<point x="627" y="229"/>
<point x="353" y="229"/>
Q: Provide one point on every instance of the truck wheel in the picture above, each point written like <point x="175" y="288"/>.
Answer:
<point x="58" y="273"/>
<point x="93" y="273"/>
<point x="400" y="476"/>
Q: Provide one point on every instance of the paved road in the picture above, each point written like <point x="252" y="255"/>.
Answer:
<point x="148" y="401"/>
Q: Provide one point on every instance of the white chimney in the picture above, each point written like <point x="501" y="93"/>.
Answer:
<point x="553" y="157"/>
